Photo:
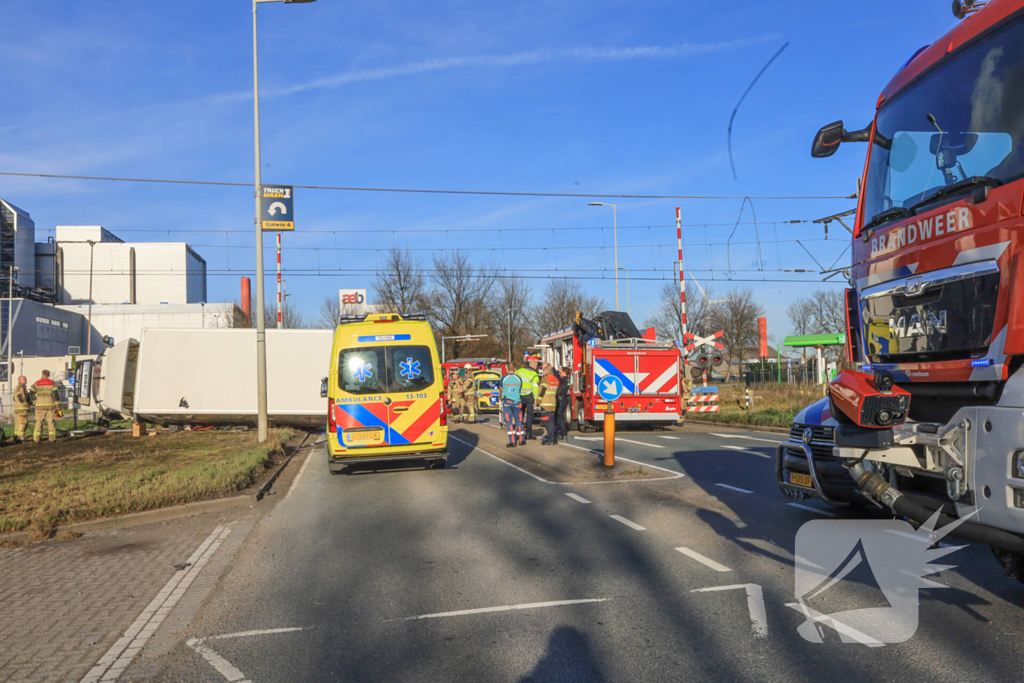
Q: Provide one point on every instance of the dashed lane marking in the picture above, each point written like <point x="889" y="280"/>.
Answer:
<point x="578" y="499"/>
<point x="503" y="608"/>
<point x="746" y="450"/>
<point x="734" y="488"/>
<point x="740" y="436"/>
<point x="706" y="561"/>
<point x="813" y="509"/>
<point x="630" y="524"/>
<point x="670" y="438"/>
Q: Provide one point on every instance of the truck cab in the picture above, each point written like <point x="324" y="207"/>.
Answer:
<point x="936" y="297"/>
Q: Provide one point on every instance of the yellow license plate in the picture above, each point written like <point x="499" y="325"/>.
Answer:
<point x="354" y="437"/>
<point x="801" y="479"/>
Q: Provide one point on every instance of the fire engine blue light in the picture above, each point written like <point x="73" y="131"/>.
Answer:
<point x="982" y="362"/>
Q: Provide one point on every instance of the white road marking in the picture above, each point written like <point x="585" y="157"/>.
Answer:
<point x="639" y="443"/>
<point x="120" y="655"/>
<point x="578" y="499"/>
<point x="744" y="450"/>
<point x="740" y="436"/>
<point x="755" y="605"/>
<point x="675" y="475"/>
<point x="503" y="608"/>
<point x="631" y="525"/>
<point x="247" y="634"/>
<point x="302" y="469"/>
<point x="670" y="438"/>
<point x="223" y="666"/>
<point x="589" y="438"/>
<point x="814" y="617"/>
<point x="733" y="488"/>
<point x="501" y="460"/>
<point x="813" y="509"/>
<point x="706" y="561"/>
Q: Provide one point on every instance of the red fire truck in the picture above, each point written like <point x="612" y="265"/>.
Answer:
<point x="610" y="345"/>
<point x="936" y="303"/>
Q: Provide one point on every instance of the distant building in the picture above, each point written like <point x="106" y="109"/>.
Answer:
<point x="88" y="258"/>
<point x="17" y="247"/>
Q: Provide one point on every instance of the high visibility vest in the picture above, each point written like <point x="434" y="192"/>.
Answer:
<point x="547" y="401"/>
<point x="44" y="390"/>
<point x="22" y="401"/>
<point x="531" y="381"/>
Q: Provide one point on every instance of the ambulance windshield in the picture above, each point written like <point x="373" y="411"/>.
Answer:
<point x="385" y="369"/>
<point x="964" y="120"/>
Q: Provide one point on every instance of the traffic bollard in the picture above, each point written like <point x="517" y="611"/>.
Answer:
<point x="609" y="437"/>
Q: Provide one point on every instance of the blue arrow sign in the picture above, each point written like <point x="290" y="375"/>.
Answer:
<point x="609" y="388"/>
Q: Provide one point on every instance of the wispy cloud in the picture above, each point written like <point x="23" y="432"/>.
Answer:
<point x="581" y="55"/>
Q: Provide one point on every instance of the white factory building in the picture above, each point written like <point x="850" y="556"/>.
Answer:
<point x="46" y="289"/>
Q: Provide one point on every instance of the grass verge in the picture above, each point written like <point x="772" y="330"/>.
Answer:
<point x="774" y="405"/>
<point x="48" y="485"/>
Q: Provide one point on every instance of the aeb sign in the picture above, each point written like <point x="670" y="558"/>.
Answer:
<point x="353" y="301"/>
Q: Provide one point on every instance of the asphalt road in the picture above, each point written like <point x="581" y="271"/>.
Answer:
<point x="479" y="572"/>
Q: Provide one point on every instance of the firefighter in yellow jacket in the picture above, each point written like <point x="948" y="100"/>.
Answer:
<point x="46" y="406"/>
<point x="22" y="404"/>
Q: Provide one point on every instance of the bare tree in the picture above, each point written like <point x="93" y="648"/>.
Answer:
<point x="400" y="286"/>
<point x="737" y="318"/>
<point x="801" y="318"/>
<point x="458" y="304"/>
<point x="562" y="298"/>
<point x="509" y="313"/>
<point x="665" y="317"/>
<point x="291" y="318"/>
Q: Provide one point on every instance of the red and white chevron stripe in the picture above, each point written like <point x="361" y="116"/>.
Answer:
<point x="702" y="409"/>
<point x="703" y="398"/>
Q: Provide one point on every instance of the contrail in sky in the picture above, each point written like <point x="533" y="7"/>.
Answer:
<point x="576" y="54"/>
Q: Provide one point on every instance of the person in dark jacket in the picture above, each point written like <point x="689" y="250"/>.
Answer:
<point x="562" y="403"/>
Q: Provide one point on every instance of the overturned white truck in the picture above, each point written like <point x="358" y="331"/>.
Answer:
<point x="208" y="377"/>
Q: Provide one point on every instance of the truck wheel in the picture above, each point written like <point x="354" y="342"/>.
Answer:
<point x="581" y="421"/>
<point x="1012" y="563"/>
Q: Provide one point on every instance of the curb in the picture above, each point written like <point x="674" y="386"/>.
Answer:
<point x="163" y="514"/>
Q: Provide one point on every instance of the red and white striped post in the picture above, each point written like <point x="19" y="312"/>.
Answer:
<point x="280" y="324"/>
<point x="682" y="283"/>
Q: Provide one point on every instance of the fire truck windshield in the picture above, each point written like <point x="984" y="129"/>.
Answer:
<point x="964" y="119"/>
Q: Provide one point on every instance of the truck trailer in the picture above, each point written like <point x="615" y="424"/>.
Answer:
<point x="208" y="377"/>
<point x="933" y="422"/>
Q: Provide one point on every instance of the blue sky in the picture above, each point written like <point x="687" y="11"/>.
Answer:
<point x="616" y="97"/>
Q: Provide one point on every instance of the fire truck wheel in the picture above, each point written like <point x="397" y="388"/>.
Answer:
<point x="581" y="420"/>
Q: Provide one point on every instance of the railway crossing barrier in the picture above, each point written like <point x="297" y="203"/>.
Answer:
<point x="703" y="400"/>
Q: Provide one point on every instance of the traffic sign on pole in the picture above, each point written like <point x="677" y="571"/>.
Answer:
<point x="277" y="208"/>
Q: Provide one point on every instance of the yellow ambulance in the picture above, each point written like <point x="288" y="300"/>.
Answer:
<point x="385" y="394"/>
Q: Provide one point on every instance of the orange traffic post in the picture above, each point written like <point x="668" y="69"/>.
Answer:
<point x="609" y="437"/>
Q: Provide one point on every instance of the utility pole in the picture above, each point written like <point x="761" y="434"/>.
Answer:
<point x="88" y="330"/>
<point x="10" y="329"/>
<point x="510" y="333"/>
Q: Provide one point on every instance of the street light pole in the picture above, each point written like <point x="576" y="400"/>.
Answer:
<point x="615" y="236"/>
<point x="510" y="311"/>
<point x="627" y="286"/>
<point x="261" y="333"/>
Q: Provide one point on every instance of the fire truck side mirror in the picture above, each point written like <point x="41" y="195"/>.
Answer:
<point x="826" y="142"/>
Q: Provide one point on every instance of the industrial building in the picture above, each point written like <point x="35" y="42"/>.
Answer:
<point x="85" y="288"/>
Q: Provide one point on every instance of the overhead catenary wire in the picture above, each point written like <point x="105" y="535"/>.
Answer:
<point x="410" y="190"/>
